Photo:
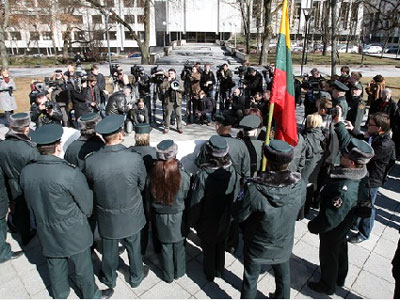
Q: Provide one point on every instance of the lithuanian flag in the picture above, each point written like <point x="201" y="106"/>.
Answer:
<point x="282" y="95"/>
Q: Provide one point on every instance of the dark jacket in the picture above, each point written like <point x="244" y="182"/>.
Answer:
<point x="77" y="150"/>
<point x="42" y="117"/>
<point x="255" y="149"/>
<point x="388" y="108"/>
<point x="149" y="155"/>
<point x="207" y="77"/>
<point x="314" y="146"/>
<point x="61" y="201"/>
<point x="139" y="115"/>
<point x="206" y="105"/>
<point x="3" y="196"/>
<point x="226" y="81"/>
<point x="101" y="81"/>
<point x="117" y="104"/>
<point x="117" y="176"/>
<point x="172" y="95"/>
<point x="169" y="219"/>
<point x="81" y="106"/>
<point x="254" y="84"/>
<point x="356" y="111"/>
<point x="16" y="151"/>
<point x="268" y="215"/>
<point x="214" y="192"/>
<point x="92" y="94"/>
<point x="299" y="155"/>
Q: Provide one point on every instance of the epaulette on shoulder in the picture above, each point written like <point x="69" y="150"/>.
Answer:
<point x="89" y="154"/>
<point x="71" y="165"/>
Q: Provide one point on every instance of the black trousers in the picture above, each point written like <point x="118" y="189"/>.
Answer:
<point x="21" y="218"/>
<point x="250" y="277"/>
<point x="213" y="258"/>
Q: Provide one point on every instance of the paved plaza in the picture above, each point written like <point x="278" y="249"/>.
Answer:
<point x="369" y="270"/>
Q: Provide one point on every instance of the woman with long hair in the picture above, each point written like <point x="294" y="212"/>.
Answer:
<point x="7" y="100"/>
<point x="169" y="186"/>
<point x="215" y="189"/>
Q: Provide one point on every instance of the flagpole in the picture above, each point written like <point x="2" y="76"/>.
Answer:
<point x="270" y="114"/>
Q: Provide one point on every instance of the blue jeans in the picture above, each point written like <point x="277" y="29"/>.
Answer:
<point x="365" y="225"/>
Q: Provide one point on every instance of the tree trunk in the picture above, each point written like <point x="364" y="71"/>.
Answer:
<point x="145" y="49"/>
<point x="66" y="38"/>
<point x="3" y="26"/>
<point x="334" y="37"/>
<point x="266" y="38"/>
<point x="325" y="30"/>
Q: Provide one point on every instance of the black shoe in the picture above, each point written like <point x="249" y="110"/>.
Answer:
<point x="355" y="239"/>
<point x="106" y="294"/>
<point x="14" y="255"/>
<point x="319" y="288"/>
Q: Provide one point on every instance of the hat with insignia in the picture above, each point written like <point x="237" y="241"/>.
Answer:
<point x="88" y="122"/>
<point x="142" y="128"/>
<point x="166" y="149"/>
<point x="217" y="146"/>
<point x="337" y="85"/>
<point x="325" y="95"/>
<point x="359" y="151"/>
<point x="250" y="122"/>
<point x="20" y="120"/>
<point x="279" y="151"/>
<point x="110" y="124"/>
<point x="47" y="134"/>
<point x="357" y="86"/>
<point x="225" y="119"/>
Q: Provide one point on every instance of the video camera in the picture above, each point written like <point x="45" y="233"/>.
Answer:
<point x="9" y="90"/>
<point x="137" y="71"/>
<point x="187" y="70"/>
<point x="268" y="72"/>
<point x="241" y="71"/>
<point x="220" y="68"/>
<point x="115" y="70"/>
<point x="333" y="111"/>
<point x="48" y="105"/>
<point x="159" y="78"/>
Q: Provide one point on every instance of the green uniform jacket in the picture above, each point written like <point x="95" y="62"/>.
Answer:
<point x="214" y="192"/>
<point x="268" y="214"/>
<point x="59" y="197"/>
<point x="314" y="140"/>
<point x="169" y="219"/>
<point x="148" y="154"/>
<point x="238" y="152"/>
<point x="356" y="112"/>
<point x="117" y="176"/>
<point x="258" y="147"/>
<point x="77" y="150"/>
<point x="16" y="151"/>
<point x="342" y="102"/>
<point x="338" y="197"/>
<point x="3" y="196"/>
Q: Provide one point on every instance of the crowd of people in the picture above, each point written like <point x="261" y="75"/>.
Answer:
<point x="122" y="192"/>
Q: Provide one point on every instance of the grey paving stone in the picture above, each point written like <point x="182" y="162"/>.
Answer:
<point x="301" y="229"/>
<point x="306" y="251"/>
<point x="301" y="271"/>
<point x="380" y="267"/>
<point x="386" y="248"/>
<point x="29" y="261"/>
<point x="352" y="275"/>
<point x="122" y="290"/>
<point x="218" y="290"/>
<point x="13" y="289"/>
<point x="371" y="242"/>
<point x="370" y="286"/>
<point x="194" y="279"/>
<point x="43" y="294"/>
<point x="33" y="282"/>
<point x="7" y="272"/>
<point x="166" y="291"/>
<point x="311" y="239"/>
<point x="357" y="254"/>
<point x="150" y="281"/>
<point x="391" y="232"/>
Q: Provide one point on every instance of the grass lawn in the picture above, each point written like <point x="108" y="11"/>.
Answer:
<point x="319" y="59"/>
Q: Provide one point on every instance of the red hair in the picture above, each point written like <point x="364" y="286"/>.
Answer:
<point x="165" y="181"/>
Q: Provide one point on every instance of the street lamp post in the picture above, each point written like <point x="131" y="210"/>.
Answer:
<point x="307" y="16"/>
<point x="107" y="15"/>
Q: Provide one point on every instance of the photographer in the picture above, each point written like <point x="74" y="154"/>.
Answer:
<point x="44" y="111"/>
<point x="101" y="83"/>
<point x="92" y="94"/>
<point x="253" y="82"/>
<point x="204" y="109"/>
<point x="59" y="93"/>
<point x="268" y="75"/>
<point x="7" y="101"/>
<point x="208" y="81"/>
<point x="120" y="102"/>
<point x="192" y="104"/>
<point x="142" y="81"/>
<point x="185" y="76"/>
<point x="119" y="79"/>
<point x="238" y="102"/>
<point x="224" y="76"/>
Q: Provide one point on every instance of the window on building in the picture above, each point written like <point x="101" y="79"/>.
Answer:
<point x="98" y="35"/>
<point x="297" y="11"/>
<point x="112" y="35"/>
<point x="79" y="35"/>
<point x="344" y="14"/>
<point x="78" y="19"/>
<point x="139" y="3"/>
<point x="128" y="36"/>
<point x="354" y="12"/>
<point x="129" y="3"/>
<point x="46" y="35"/>
<point x="15" y="35"/>
<point x="317" y="13"/>
<point x="140" y="19"/>
<point x="34" y="35"/>
<point x="96" y="19"/>
<point x="129" y="19"/>
<point x="109" y="3"/>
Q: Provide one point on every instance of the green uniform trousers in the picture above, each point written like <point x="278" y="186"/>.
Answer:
<point x="109" y="263"/>
<point x="333" y="262"/>
<point x="213" y="258"/>
<point x="172" y="106"/>
<point x="173" y="260"/>
<point x="5" y="249"/>
<point x="83" y="276"/>
<point x="250" y="277"/>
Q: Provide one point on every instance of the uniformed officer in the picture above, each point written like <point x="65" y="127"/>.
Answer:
<point x="16" y="151"/>
<point x="148" y="153"/>
<point x="168" y="188"/>
<point x="267" y="216"/>
<point x="356" y="106"/>
<point x="255" y="147"/>
<point x="339" y="96"/>
<point x="117" y="176"/>
<point x="59" y="197"/>
<point x="338" y="200"/>
<point x="215" y="189"/>
<point x="88" y="142"/>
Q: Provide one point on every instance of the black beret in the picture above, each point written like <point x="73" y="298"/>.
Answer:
<point x="142" y="128"/>
<point x="19" y="120"/>
<point x="166" y="149"/>
<point x="359" y="151"/>
<point x="325" y="95"/>
<point x="279" y="151"/>
<point x="218" y="146"/>
<point x="250" y="122"/>
<point x="110" y="124"/>
<point x="47" y="134"/>
<point x="337" y="85"/>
